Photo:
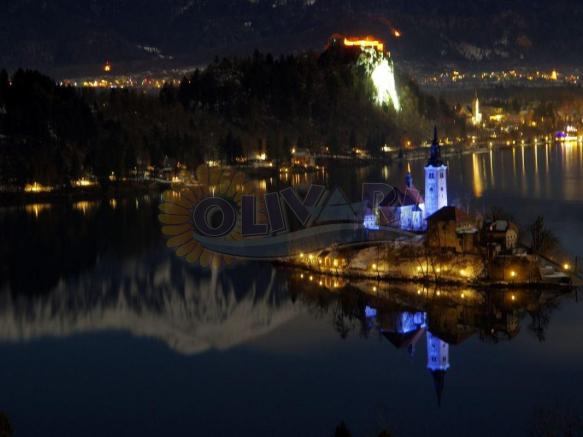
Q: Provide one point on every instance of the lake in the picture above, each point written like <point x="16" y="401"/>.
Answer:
<point x="104" y="331"/>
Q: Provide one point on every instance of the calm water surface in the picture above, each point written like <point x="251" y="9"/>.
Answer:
<point x="103" y="331"/>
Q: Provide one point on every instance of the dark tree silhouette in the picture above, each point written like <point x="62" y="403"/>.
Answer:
<point x="342" y="431"/>
<point x="6" y="429"/>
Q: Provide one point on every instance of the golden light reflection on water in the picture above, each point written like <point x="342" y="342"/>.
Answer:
<point x="492" y="178"/>
<point x="537" y="176"/>
<point x="514" y="161"/>
<point x="547" y="170"/>
<point x="36" y="209"/>
<point x="544" y="171"/>
<point x="478" y="183"/>
<point x="85" y="206"/>
<point x="571" y="171"/>
<point x="386" y="173"/>
<point x="523" y="181"/>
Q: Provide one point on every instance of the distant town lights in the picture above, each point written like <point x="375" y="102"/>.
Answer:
<point x="554" y="75"/>
<point x="35" y="187"/>
<point x="83" y="182"/>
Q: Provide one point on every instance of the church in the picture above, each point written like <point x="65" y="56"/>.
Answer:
<point x="406" y="207"/>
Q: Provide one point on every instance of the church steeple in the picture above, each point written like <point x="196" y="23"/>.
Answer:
<point x="408" y="177"/>
<point x="435" y="179"/>
<point x="435" y="152"/>
<point x="437" y="362"/>
<point x="438" y="383"/>
<point x="476" y="114"/>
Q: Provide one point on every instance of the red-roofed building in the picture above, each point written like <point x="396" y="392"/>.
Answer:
<point x="452" y="229"/>
<point x="405" y="207"/>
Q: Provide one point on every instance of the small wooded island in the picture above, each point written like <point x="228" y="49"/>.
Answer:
<point x="439" y="243"/>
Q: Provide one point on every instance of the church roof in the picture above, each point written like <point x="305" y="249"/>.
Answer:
<point x="465" y="224"/>
<point x="403" y="340"/>
<point x="412" y="196"/>
<point x="409" y="196"/>
<point x="450" y="213"/>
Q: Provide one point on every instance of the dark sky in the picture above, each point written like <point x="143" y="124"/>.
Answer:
<point x="65" y="33"/>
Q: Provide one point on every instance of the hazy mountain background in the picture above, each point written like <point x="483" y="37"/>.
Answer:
<point x="67" y="35"/>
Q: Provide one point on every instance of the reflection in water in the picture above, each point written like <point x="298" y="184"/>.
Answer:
<point x="492" y="179"/>
<point x="188" y="310"/>
<point x="523" y="181"/>
<point x="541" y="173"/>
<point x="477" y="171"/>
<point x="192" y="311"/>
<point x="443" y="317"/>
<point x="35" y="209"/>
<point x="100" y="267"/>
<point x="86" y="206"/>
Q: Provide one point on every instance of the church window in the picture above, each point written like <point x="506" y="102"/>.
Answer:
<point x="441" y="175"/>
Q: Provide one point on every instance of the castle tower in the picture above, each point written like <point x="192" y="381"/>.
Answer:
<point x="435" y="179"/>
<point x="437" y="362"/>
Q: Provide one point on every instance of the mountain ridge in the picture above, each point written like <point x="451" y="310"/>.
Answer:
<point x="65" y="33"/>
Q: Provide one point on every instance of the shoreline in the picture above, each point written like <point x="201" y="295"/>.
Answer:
<point x="121" y="190"/>
<point x="426" y="281"/>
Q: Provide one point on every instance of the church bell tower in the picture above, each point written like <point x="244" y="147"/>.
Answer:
<point x="437" y="362"/>
<point x="435" y="179"/>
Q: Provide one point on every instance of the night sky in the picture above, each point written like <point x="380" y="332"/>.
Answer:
<point x="67" y="34"/>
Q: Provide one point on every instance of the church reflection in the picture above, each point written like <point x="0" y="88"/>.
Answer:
<point x="438" y="321"/>
<point x="404" y="330"/>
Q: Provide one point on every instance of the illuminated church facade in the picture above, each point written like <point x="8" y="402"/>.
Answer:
<point x="407" y="208"/>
